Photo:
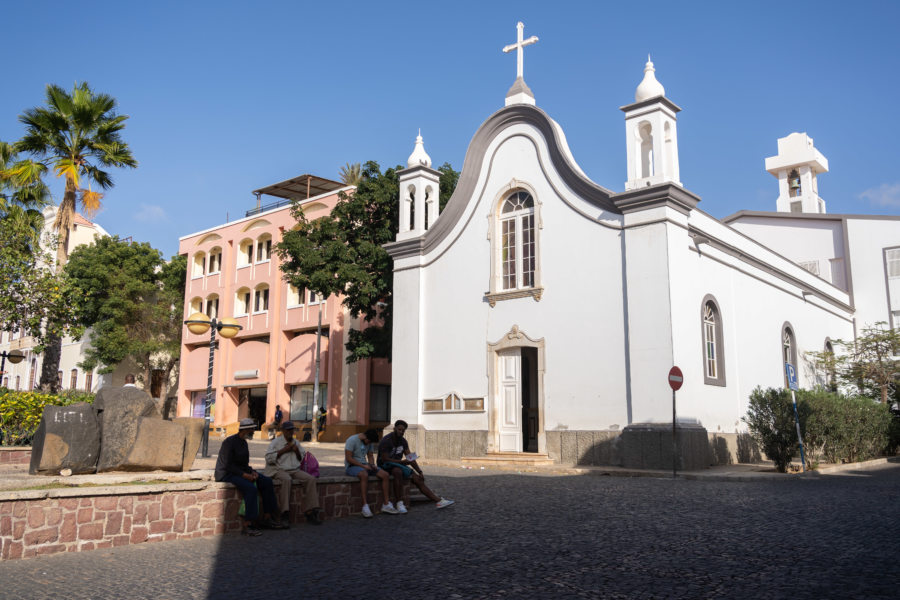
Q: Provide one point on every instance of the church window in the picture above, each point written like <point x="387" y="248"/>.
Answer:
<point x="892" y="256"/>
<point x="517" y="242"/>
<point x="88" y="380"/>
<point x="713" y="344"/>
<point x="73" y="383"/>
<point x="453" y="402"/>
<point x="788" y="349"/>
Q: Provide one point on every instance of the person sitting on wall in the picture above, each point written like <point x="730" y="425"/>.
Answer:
<point x="283" y="458"/>
<point x="233" y="466"/>
<point x="392" y="452"/>
<point x="359" y="461"/>
<point x="322" y="415"/>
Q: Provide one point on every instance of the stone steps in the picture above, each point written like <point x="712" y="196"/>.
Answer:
<point x="509" y="460"/>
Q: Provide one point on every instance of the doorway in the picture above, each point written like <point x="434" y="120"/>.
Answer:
<point x="256" y="406"/>
<point x="516" y="409"/>
<point x="530" y="406"/>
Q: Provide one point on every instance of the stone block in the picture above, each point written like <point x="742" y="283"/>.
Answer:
<point x="568" y="447"/>
<point x="553" y="445"/>
<point x="158" y="445"/>
<point x="649" y="446"/>
<point x="584" y="442"/>
<point x="467" y="444"/>
<point x="193" y="434"/>
<point x="121" y="411"/>
<point x="68" y="437"/>
<point x="455" y="444"/>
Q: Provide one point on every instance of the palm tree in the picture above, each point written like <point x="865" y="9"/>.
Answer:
<point x="351" y="174"/>
<point x="22" y="194"/>
<point x="76" y="134"/>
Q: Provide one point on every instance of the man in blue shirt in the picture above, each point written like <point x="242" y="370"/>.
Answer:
<point x="359" y="461"/>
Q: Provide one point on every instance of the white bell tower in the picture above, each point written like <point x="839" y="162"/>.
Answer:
<point x="651" y="134"/>
<point x="419" y="193"/>
<point x="796" y="166"/>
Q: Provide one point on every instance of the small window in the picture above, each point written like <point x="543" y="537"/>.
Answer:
<point x="88" y="381"/>
<point x="261" y="300"/>
<point x="453" y="402"/>
<point x="263" y="248"/>
<point x="788" y="350"/>
<point x="196" y="305"/>
<point x="242" y="301"/>
<point x="293" y="296"/>
<point x="215" y="260"/>
<point x="73" y="381"/>
<point x="312" y="297"/>
<point x="245" y="253"/>
<point x="794" y="187"/>
<point x="212" y="306"/>
<point x="199" y="268"/>
<point x="796" y="207"/>
<point x="810" y="265"/>
<point x="892" y="257"/>
<point x="713" y="344"/>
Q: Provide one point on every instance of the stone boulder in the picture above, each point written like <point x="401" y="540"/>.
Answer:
<point x="68" y="437"/>
<point x="158" y="445"/>
<point x="193" y="434"/>
<point x="120" y="410"/>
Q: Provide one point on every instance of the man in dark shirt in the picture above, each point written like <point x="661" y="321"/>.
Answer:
<point x="233" y="466"/>
<point x="392" y="452"/>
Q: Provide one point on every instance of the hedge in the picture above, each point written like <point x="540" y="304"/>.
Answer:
<point x="20" y="412"/>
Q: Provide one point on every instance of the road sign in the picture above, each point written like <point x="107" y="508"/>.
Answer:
<point x="676" y="378"/>
<point x="791" y="376"/>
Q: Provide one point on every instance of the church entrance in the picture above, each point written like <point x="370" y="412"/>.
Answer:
<point x="530" y="406"/>
<point x="516" y="369"/>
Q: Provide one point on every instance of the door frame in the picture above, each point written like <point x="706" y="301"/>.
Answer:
<point x="515" y="338"/>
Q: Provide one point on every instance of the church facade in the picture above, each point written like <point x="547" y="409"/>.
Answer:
<point x="540" y="312"/>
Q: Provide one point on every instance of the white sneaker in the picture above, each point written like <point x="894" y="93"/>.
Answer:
<point x="444" y="503"/>
<point x="389" y="509"/>
<point x="401" y="508"/>
<point x="367" y="512"/>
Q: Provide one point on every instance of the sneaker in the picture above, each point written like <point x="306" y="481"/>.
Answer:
<point x="313" y="517"/>
<point x="389" y="509"/>
<point x="367" y="512"/>
<point x="251" y="531"/>
<point x="401" y="508"/>
<point x="444" y="503"/>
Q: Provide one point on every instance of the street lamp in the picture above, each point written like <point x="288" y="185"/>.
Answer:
<point x="14" y="356"/>
<point x="315" y="415"/>
<point x="198" y="324"/>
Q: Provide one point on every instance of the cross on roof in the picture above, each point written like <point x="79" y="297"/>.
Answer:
<point x="519" y="46"/>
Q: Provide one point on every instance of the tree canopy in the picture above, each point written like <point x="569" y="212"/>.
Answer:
<point x="343" y="253"/>
<point x="132" y="300"/>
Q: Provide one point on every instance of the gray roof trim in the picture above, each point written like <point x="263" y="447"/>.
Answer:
<point x="665" y="194"/>
<point x="472" y="165"/>
<point x="649" y="102"/>
<point x="411" y="170"/>
<point x="405" y="248"/>
<point x="812" y="216"/>
<point x="519" y="87"/>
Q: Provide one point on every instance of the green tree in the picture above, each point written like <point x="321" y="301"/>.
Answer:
<point x="770" y="419"/>
<point x="351" y="173"/>
<point x="77" y="134"/>
<point x="343" y="253"/>
<point x="22" y="194"/>
<point x="132" y="300"/>
<point x="869" y="364"/>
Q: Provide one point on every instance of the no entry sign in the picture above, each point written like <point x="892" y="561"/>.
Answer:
<point x="676" y="378"/>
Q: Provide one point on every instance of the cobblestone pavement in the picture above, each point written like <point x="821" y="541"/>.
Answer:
<point x="527" y="536"/>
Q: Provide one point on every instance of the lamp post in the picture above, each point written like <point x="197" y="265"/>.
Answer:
<point x="14" y="356"/>
<point x="198" y="324"/>
<point x="315" y="415"/>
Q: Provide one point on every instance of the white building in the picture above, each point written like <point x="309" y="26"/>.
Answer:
<point x="540" y="313"/>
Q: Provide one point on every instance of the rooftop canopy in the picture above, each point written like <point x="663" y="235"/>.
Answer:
<point x="301" y="188"/>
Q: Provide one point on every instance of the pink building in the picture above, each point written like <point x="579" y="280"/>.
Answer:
<point x="233" y="271"/>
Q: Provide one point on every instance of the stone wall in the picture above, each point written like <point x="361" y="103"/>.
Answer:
<point x="38" y="522"/>
<point x="12" y="455"/>
<point x="452" y="445"/>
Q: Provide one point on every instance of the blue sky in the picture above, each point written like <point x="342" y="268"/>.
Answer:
<point x="227" y="97"/>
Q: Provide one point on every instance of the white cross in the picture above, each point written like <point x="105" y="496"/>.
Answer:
<point x="518" y="46"/>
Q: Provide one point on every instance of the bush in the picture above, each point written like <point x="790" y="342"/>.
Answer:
<point x="770" y="419"/>
<point x="20" y="412"/>
<point x="845" y="429"/>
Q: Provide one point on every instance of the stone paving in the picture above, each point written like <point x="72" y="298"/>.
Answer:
<point x="533" y="535"/>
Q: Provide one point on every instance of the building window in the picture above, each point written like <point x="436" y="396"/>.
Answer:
<point x="892" y="257"/>
<point x="261" y="300"/>
<point x="199" y="268"/>
<point x="242" y="302"/>
<point x="33" y="375"/>
<point x="379" y="403"/>
<point x="312" y="297"/>
<point x="215" y="260"/>
<point x="6" y="382"/>
<point x="212" y="307"/>
<point x="58" y="379"/>
<point x="453" y="402"/>
<point x="245" y="253"/>
<point x="713" y="344"/>
<point x="517" y="242"/>
<point x="88" y="380"/>
<point x="196" y="305"/>
<point x="18" y="383"/>
<point x="294" y="297"/>
<point x="302" y="401"/>
<point x="263" y="248"/>
<point x="788" y="350"/>
<point x="73" y="381"/>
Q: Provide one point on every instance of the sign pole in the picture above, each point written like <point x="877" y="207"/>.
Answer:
<point x="792" y="383"/>
<point x="676" y="379"/>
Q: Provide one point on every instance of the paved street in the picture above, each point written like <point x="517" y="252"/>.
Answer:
<point x="523" y="536"/>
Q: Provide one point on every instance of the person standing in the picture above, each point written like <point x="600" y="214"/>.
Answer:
<point x="283" y="458"/>
<point x="233" y="466"/>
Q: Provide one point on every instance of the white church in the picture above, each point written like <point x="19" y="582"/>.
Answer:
<point x="537" y="316"/>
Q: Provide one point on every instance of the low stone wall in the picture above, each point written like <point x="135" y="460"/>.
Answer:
<point x="38" y="522"/>
<point x="15" y="455"/>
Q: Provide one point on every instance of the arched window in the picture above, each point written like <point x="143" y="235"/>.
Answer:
<point x="196" y="305"/>
<point x="245" y="253"/>
<point x="242" y="301"/>
<point x="212" y="306"/>
<point x="830" y="372"/>
<point x="713" y="343"/>
<point x="199" y="268"/>
<point x="645" y="138"/>
<point x="88" y="380"/>
<point x="261" y="299"/>
<point x="33" y="375"/>
<point x="794" y="187"/>
<point x="517" y="247"/>
<point x="73" y="382"/>
<point x="263" y="248"/>
<point x="788" y="350"/>
<point x="215" y="260"/>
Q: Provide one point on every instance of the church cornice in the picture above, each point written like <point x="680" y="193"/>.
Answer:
<point x="662" y="195"/>
<point x="650" y="102"/>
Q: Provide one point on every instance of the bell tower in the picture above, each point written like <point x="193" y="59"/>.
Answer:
<point x="651" y="137"/>
<point x="796" y="166"/>
<point x="420" y="187"/>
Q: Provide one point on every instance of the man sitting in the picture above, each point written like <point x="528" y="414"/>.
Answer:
<point x="233" y="466"/>
<point x="283" y="458"/>
<point x="391" y="457"/>
<point x="359" y="461"/>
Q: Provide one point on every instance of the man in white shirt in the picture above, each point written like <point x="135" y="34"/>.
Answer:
<point x="283" y="458"/>
<point x="129" y="381"/>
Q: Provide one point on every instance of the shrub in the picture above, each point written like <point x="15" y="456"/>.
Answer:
<point x="20" y="412"/>
<point x="846" y="428"/>
<point x="770" y="419"/>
